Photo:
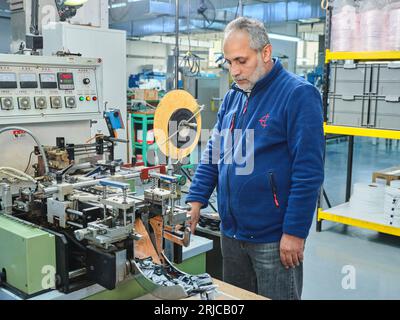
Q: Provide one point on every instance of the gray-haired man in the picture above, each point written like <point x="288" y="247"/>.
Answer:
<point x="265" y="215"/>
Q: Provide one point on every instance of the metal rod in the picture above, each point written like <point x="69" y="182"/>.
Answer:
<point x="325" y="93"/>
<point x="90" y="182"/>
<point x="326" y="198"/>
<point x="85" y="153"/>
<point x="78" y="225"/>
<point x="349" y="167"/>
<point x="176" y="43"/>
<point x="75" y="146"/>
<point x="85" y="150"/>
<point x="76" y="273"/>
<point x="327" y="68"/>
<point x="75" y="212"/>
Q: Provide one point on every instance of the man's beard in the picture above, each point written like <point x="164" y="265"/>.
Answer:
<point x="257" y="75"/>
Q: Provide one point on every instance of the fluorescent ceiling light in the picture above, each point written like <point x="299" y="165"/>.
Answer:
<point x="74" y="2"/>
<point x="283" y="37"/>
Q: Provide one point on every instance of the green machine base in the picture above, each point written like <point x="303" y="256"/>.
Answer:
<point x="27" y="255"/>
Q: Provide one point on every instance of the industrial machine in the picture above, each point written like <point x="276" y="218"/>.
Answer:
<point x="92" y="230"/>
<point x="37" y="89"/>
<point x="72" y="222"/>
<point x="52" y="97"/>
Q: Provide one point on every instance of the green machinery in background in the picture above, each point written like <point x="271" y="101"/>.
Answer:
<point x="144" y="121"/>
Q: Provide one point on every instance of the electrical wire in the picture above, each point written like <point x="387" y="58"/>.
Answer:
<point x="29" y="161"/>
<point x="190" y="64"/>
<point x="17" y="174"/>
<point x="11" y="128"/>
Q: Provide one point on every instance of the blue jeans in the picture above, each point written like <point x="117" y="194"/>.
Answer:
<point x="257" y="267"/>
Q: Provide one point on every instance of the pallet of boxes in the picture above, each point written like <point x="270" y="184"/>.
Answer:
<point x="391" y="178"/>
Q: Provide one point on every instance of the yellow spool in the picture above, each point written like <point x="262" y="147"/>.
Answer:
<point x="174" y="101"/>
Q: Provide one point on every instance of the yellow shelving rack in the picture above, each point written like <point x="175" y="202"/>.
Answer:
<point x="343" y="213"/>
<point x="362" y="56"/>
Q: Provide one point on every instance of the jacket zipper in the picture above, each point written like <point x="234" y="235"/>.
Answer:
<point x="231" y="128"/>
<point x="232" y="123"/>
<point x="242" y="116"/>
<point x="229" y="205"/>
<point x="273" y="188"/>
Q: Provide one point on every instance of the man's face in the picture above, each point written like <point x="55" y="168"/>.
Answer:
<point x="246" y="65"/>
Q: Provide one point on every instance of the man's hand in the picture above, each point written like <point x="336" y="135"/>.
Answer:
<point x="291" y="249"/>
<point x="195" y="215"/>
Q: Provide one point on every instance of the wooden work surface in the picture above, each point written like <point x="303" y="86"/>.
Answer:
<point x="225" y="291"/>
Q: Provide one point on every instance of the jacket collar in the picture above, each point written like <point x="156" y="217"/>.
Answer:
<point x="265" y="80"/>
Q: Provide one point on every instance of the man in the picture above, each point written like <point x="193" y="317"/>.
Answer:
<point x="266" y="212"/>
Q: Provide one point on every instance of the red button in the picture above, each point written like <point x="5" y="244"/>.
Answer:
<point x="94" y="98"/>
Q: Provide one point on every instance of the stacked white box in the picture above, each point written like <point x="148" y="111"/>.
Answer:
<point x="392" y="207"/>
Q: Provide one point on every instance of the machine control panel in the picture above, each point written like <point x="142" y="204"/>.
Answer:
<point x="8" y="80"/>
<point x="65" y="81"/>
<point x="48" y="81"/>
<point x="28" y="81"/>
<point x="35" y="89"/>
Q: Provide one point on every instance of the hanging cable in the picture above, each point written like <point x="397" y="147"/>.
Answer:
<point x="190" y="64"/>
<point x="324" y="4"/>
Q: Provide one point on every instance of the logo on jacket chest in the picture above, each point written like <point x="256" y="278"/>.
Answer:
<point x="264" y="120"/>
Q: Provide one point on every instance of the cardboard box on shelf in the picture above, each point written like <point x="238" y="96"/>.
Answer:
<point x="146" y="94"/>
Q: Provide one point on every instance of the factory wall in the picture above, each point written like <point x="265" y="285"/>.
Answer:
<point x="140" y="53"/>
<point x="285" y="48"/>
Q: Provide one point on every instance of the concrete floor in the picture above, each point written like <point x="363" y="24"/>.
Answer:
<point x="335" y="254"/>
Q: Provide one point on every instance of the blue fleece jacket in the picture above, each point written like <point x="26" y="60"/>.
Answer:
<point x="269" y="187"/>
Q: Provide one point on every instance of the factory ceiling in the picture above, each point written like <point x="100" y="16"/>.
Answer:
<point x="149" y="17"/>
